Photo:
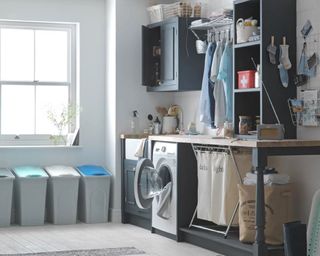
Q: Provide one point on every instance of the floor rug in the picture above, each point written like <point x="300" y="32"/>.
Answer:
<point x="122" y="251"/>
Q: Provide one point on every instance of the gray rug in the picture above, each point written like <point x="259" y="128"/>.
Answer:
<point x="122" y="251"/>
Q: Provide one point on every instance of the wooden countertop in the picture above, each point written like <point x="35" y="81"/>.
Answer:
<point x="134" y="136"/>
<point x="209" y="140"/>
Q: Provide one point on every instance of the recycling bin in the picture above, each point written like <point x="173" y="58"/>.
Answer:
<point x="94" y="193"/>
<point x="6" y="190"/>
<point x="62" y="194"/>
<point x="30" y="188"/>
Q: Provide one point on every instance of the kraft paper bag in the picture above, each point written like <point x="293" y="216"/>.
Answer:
<point x="278" y="210"/>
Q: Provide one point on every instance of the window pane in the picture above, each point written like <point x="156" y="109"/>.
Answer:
<point x="51" y="56"/>
<point x="17" y="54"/>
<point x="17" y="109"/>
<point x="55" y="100"/>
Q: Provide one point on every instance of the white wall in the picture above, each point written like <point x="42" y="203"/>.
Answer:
<point x="124" y="90"/>
<point x="91" y="16"/>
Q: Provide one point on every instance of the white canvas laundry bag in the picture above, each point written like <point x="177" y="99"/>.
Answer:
<point x="204" y="184"/>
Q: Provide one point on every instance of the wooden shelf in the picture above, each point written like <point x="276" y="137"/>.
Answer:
<point x="248" y="44"/>
<point x="247" y="90"/>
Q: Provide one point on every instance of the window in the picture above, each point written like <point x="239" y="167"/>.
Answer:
<point x="37" y="76"/>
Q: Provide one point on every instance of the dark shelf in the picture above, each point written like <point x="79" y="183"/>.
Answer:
<point x="247" y="90"/>
<point x="246" y="1"/>
<point x="228" y="246"/>
<point x="248" y="44"/>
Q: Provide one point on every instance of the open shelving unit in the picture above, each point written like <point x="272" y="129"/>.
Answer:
<point x="276" y="19"/>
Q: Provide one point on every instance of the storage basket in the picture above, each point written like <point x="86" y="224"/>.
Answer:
<point x="156" y="13"/>
<point x="177" y="9"/>
<point x="244" y="32"/>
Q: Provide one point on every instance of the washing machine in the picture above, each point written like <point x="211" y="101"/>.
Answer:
<point x="155" y="185"/>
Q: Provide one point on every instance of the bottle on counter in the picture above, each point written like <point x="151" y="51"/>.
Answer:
<point x="257" y="77"/>
<point x="135" y="122"/>
<point x="157" y="126"/>
<point x="244" y="125"/>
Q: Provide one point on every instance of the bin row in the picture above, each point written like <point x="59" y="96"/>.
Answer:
<point x="64" y="193"/>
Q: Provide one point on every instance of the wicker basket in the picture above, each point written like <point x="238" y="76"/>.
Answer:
<point x="177" y="9"/>
<point x="156" y="13"/>
<point x="162" y="12"/>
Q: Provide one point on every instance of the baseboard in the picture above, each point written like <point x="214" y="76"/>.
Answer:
<point x="115" y="215"/>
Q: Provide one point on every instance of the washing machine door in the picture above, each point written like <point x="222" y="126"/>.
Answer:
<point x="147" y="183"/>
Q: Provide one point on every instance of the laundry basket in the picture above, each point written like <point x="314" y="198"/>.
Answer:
<point x="6" y="187"/>
<point x="94" y="193"/>
<point x="30" y="195"/>
<point x="62" y="198"/>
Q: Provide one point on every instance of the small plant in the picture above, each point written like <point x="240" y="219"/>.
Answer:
<point x="62" y="121"/>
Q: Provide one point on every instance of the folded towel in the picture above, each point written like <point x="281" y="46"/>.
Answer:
<point x="140" y="148"/>
<point x="269" y="179"/>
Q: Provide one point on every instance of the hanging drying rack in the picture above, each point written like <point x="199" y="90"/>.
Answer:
<point x="213" y="24"/>
<point x="229" y="150"/>
<point x="214" y="27"/>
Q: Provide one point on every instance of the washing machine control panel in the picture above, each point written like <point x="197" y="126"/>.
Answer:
<point x="161" y="148"/>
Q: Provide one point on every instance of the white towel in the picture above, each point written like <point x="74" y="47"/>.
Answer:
<point x="269" y="179"/>
<point x="140" y="148"/>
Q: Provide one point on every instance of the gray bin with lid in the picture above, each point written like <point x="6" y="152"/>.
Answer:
<point x="6" y="190"/>
<point x="62" y="194"/>
<point x="30" y="195"/>
<point x="94" y="193"/>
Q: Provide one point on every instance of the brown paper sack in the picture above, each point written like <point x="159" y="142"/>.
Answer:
<point x="278" y="210"/>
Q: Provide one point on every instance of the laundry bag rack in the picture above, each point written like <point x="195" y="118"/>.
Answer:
<point x="206" y="211"/>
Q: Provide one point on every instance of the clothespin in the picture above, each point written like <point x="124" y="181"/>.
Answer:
<point x="284" y="40"/>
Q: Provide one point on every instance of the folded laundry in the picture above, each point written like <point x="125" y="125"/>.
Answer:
<point x="269" y="179"/>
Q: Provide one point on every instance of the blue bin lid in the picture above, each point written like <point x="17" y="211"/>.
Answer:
<point x="93" y="170"/>
<point x="5" y="173"/>
<point x="30" y="172"/>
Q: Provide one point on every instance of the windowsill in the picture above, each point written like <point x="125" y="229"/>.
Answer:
<point x="40" y="147"/>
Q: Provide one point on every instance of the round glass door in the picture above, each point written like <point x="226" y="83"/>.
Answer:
<point x="145" y="183"/>
<point x="149" y="182"/>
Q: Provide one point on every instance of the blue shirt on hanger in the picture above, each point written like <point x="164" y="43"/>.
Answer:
<point x="206" y="98"/>
<point x="225" y="74"/>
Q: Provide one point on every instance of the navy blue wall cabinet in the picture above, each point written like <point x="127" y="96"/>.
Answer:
<point x="169" y="58"/>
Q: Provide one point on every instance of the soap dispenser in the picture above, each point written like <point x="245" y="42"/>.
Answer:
<point x="135" y="122"/>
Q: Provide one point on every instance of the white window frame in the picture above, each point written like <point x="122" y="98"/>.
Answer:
<point x="72" y="79"/>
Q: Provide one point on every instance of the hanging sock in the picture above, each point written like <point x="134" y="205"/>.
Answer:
<point x="283" y="76"/>
<point x="272" y="50"/>
<point x="284" y="57"/>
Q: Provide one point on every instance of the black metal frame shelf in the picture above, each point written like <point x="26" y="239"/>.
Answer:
<point x="229" y="246"/>
<point x="245" y="1"/>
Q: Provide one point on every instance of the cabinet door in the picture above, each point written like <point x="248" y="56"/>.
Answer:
<point x="150" y="41"/>
<point x="169" y="51"/>
<point x="130" y="203"/>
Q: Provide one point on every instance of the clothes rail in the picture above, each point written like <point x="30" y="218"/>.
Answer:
<point x="202" y="148"/>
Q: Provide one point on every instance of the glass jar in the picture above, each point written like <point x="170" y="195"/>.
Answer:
<point x="244" y="125"/>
